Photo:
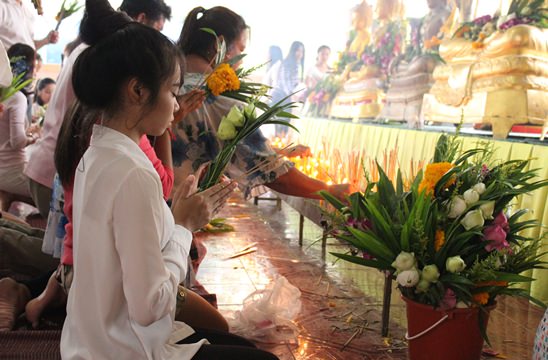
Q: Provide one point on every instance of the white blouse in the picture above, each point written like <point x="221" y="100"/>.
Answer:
<point x="129" y="256"/>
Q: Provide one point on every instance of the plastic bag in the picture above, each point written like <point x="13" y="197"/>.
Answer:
<point x="267" y="314"/>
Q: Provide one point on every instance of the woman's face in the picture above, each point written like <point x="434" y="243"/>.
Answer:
<point x="323" y="56"/>
<point x="46" y="93"/>
<point x="160" y="114"/>
<point x="237" y="48"/>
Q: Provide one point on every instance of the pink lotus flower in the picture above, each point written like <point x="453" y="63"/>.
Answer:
<point x="496" y="236"/>
<point x="449" y="300"/>
<point x="502" y="221"/>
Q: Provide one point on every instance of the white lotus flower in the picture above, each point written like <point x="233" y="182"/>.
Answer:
<point x="455" y="264"/>
<point x="487" y="210"/>
<point x="456" y="207"/>
<point x="479" y="188"/>
<point x="408" y="278"/>
<point x="471" y="197"/>
<point x="472" y="219"/>
<point x="404" y="261"/>
<point x="430" y="273"/>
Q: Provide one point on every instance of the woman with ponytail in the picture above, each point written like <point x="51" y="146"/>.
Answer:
<point x="196" y="141"/>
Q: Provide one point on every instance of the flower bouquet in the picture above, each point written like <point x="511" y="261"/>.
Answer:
<point x="65" y="12"/>
<point x="451" y="240"/>
<point x="321" y="96"/>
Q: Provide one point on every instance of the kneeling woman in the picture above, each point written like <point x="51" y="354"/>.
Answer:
<point x="129" y="248"/>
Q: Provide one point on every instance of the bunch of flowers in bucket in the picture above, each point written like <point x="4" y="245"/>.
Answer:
<point x="451" y="240"/>
<point x="243" y="119"/>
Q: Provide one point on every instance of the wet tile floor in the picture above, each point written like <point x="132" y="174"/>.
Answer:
<point x="341" y="303"/>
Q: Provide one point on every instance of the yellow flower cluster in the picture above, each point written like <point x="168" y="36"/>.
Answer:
<point x="433" y="174"/>
<point x="440" y="239"/>
<point x="223" y="79"/>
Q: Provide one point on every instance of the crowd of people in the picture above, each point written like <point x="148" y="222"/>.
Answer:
<point x="124" y="117"/>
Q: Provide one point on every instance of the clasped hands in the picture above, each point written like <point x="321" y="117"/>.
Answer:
<point x="193" y="209"/>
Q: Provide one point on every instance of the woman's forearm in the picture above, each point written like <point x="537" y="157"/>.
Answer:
<point x="296" y="183"/>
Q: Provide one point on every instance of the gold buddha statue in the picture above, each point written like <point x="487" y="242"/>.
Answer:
<point x="501" y="79"/>
<point x="362" y="19"/>
<point x="361" y="95"/>
<point x="411" y="78"/>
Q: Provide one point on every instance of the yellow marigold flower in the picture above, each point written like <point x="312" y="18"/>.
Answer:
<point x="440" y="239"/>
<point x="481" y="298"/>
<point x="223" y="79"/>
<point x="433" y="174"/>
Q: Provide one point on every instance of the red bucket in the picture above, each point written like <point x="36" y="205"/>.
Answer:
<point x="435" y="334"/>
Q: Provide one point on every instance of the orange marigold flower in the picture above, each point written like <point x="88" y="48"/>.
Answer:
<point x="440" y="239"/>
<point x="433" y="174"/>
<point x="223" y="79"/>
<point x="481" y="298"/>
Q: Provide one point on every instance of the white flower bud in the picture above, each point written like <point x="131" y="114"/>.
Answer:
<point x="471" y="196"/>
<point x="249" y="112"/>
<point x="404" y="261"/>
<point x="487" y="210"/>
<point x="456" y="207"/>
<point x="430" y="273"/>
<point x="472" y="219"/>
<point x="455" y="264"/>
<point x="408" y="278"/>
<point x="235" y="116"/>
<point x="423" y="286"/>
<point x="479" y="188"/>
<point x="226" y="130"/>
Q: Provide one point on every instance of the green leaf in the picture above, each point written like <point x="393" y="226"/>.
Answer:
<point x="377" y="264"/>
<point x="336" y="203"/>
<point x="372" y="245"/>
<point x="513" y="278"/>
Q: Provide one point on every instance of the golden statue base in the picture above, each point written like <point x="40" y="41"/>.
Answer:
<point x="503" y="84"/>
<point x="356" y="105"/>
<point x="501" y="108"/>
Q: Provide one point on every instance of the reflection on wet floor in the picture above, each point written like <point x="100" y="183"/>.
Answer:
<point x="340" y="316"/>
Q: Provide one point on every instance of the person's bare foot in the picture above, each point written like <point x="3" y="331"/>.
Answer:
<point x="13" y="297"/>
<point x="52" y="296"/>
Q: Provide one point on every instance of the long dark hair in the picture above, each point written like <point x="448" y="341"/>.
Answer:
<point x="130" y="50"/>
<point x="275" y="54"/>
<point x="290" y="61"/>
<point x="222" y="20"/>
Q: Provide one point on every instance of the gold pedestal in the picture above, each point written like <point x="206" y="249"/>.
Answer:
<point x="504" y="84"/>
<point x="358" y="104"/>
